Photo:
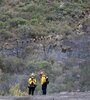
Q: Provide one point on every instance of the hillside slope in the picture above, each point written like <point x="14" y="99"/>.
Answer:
<point x="50" y="35"/>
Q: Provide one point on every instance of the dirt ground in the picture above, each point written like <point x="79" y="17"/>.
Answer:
<point x="60" y="96"/>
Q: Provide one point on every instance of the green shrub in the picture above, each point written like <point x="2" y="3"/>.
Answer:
<point x="55" y="88"/>
<point x="52" y="88"/>
<point x="70" y="7"/>
<point x="36" y="66"/>
<point x="1" y="60"/>
<point x="34" y="21"/>
<point x="17" y="21"/>
<point x="1" y="1"/>
<point x="25" y="30"/>
<point x="31" y="31"/>
<point x="2" y="25"/>
<point x="57" y="69"/>
<point x="13" y="65"/>
<point x="6" y="34"/>
<point x="85" y="76"/>
<point x="38" y="89"/>
<point x="2" y="93"/>
<point x="13" y="2"/>
<point x="3" y="17"/>
<point x="70" y="87"/>
<point x="15" y="91"/>
<point x="32" y="7"/>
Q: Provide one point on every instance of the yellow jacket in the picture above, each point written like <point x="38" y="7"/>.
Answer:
<point x="43" y="79"/>
<point x="32" y="80"/>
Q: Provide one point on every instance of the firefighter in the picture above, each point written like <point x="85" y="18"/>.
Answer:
<point x="44" y="81"/>
<point x="32" y="84"/>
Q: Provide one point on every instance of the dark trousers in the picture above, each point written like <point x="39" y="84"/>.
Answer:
<point x="31" y="90"/>
<point x="44" y="89"/>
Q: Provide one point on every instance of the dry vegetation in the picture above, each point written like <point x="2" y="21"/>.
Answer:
<point x="53" y="35"/>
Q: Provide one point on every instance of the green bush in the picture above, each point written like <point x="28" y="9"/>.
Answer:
<point x="15" y="91"/>
<point x="13" y="65"/>
<point x="2" y="25"/>
<point x="17" y="21"/>
<point x="6" y="34"/>
<point x="2" y="93"/>
<point x="38" y="89"/>
<point x="25" y="30"/>
<point x="1" y="1"/>
<point x="3" y="17"/>
<point x="52" y="88"/>
<point x="31" y="31"/>
<point x="13" y="2"/>
<point x="1" y="61"/>
<point x="32" y="7"/>
<point x="34" y="21"/>
<point x="70" y="8"/>
<point x="37" y="66"/>
<point x="85" y="76"/>
<point x="55" y="88"/>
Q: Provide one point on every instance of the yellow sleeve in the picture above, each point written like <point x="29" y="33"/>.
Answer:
<point x="34" y="81"/>
<point x="43" y="80"/>
<point x="29" y="81"/>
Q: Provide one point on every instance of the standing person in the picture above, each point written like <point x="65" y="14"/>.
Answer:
<point x="44" y="82"/>
<point x="32" y="84"/>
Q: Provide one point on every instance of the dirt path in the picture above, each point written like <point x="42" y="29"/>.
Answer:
<point x="61" y="96"/>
